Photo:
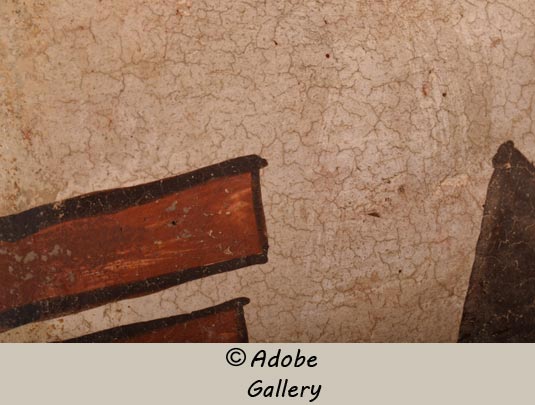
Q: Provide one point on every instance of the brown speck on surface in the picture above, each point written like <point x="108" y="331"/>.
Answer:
<point x="495" y="42"/>
<point x="374" y="214"/>
<point x="327" y="55"/>
<point x="27" y="135"/>
<point x="425" y="88"/>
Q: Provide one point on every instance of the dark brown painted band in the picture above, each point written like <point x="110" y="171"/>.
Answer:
<point x="18" y="226"/>
<point x="498" y="305"/>
<point x="128" y="331"/>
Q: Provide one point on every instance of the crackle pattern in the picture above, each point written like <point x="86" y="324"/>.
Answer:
<point x="378" y="119"/>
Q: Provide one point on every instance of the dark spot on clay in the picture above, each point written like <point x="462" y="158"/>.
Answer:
<point x="444" y="94"/>
<point x="399" y="271"/>
<point x="327" y="55"/>
<point x="401" y="189"/>
<point x="275" y="42"/>
<point x="325" y="21"/>
<point x="495" y="42"/>
<point x="374" y="214"/>
<point x="173" y="223"/>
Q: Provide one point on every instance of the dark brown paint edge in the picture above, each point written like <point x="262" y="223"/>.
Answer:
<point x="259" y="211"/>
<point x="487" y="224"/>
<point x="132" y="330"/>
<point x="506" y="158"/>
<point x="18" y="226"/>
<point x="243" y="334"/>
<point x="47" y="309"/>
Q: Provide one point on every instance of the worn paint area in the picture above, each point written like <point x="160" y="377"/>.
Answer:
<point x="379" y="120"/>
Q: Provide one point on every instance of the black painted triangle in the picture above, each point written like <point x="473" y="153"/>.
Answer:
<point x="500" y="302"/>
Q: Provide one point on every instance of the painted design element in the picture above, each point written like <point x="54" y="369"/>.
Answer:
<point x="500" y="303"/>
<point x="101" y="247"/>
<point x="224" y="323"/>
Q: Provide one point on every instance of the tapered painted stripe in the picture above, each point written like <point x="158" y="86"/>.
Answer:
<point x="224" y="323"/>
